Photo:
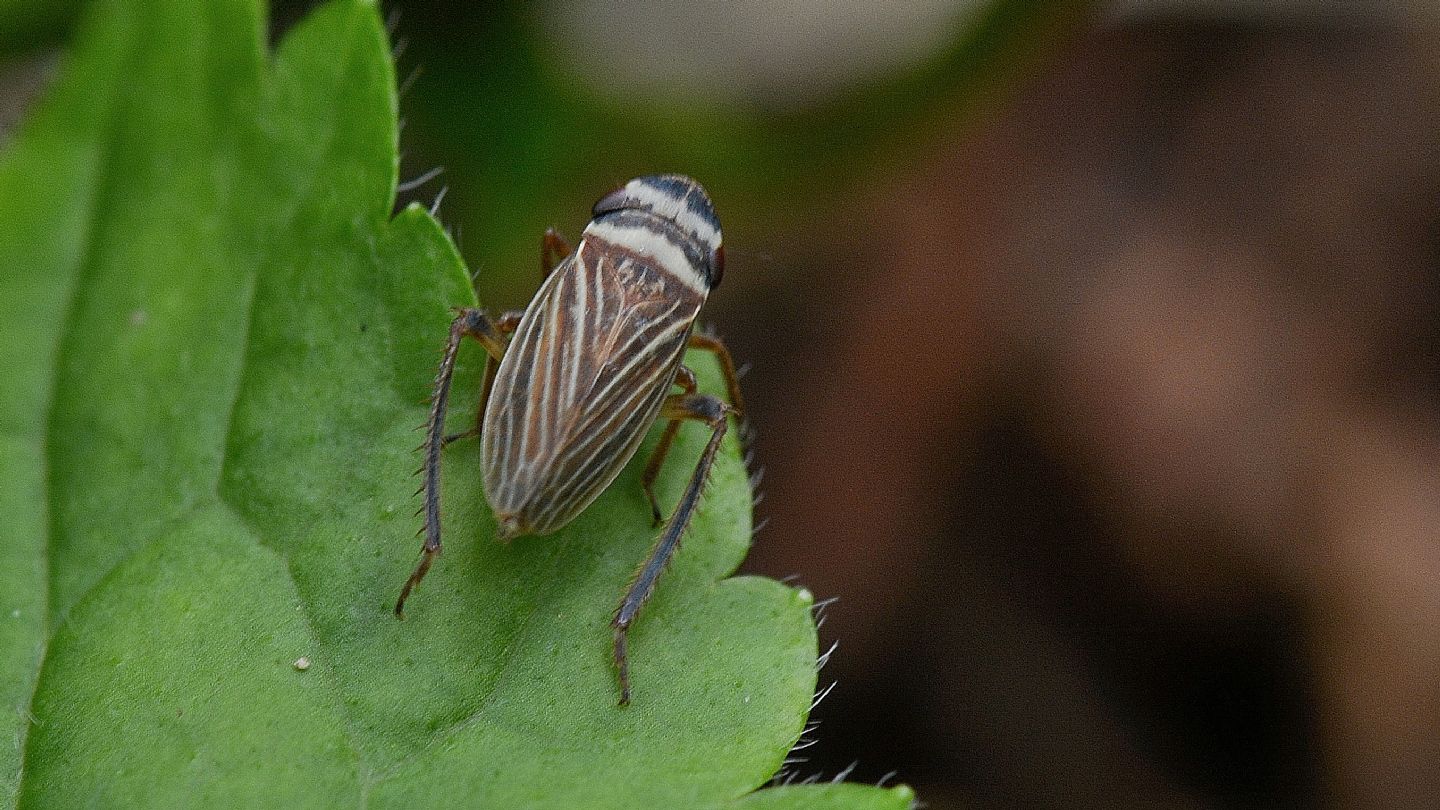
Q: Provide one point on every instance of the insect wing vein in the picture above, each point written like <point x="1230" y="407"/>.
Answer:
<point x="583" y="379"/>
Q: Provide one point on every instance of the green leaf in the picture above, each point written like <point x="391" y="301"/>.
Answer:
<point x="217" y="343"/>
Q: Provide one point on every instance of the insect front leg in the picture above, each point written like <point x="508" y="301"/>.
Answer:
<point x="716" y="346"/>
<point x="716" y="414"/>
<point x="473" y="323"/>
<point x="553" y="248"/>
<point x="685" y="378"/>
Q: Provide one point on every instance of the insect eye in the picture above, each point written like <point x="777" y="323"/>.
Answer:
<point x="613" y="201"/>
<point x="717" y="266"/>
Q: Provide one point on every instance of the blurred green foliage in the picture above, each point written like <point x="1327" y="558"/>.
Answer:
<point x="28" y="25"/>
<point x="527" y="143"/>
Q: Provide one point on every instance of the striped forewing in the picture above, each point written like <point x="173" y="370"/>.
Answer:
<point x="582" y="380"/>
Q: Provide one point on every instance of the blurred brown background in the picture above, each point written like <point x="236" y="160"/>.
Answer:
<point x="1120" y="446"/>
<point x="1096" y="355"/>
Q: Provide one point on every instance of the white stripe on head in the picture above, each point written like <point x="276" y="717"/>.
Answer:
<point x="674" y="208"/>
<point x="647" y="242"/>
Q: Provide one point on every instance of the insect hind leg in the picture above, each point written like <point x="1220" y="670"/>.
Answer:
<point x="469" y="322"/>
<point x="685" y="378"/>
<point x="716" y="414"/>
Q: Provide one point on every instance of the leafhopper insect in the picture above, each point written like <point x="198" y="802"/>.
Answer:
<point x="585" y="370"/>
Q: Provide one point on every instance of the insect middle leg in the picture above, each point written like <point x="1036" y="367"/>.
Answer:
<point x="473" y="323"/>
<point x="715" y="414"/>
<point x="686" y="380"/>
<point x="716" y="346"/>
